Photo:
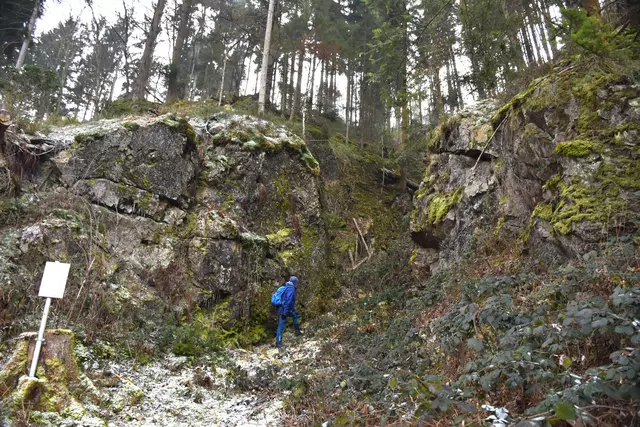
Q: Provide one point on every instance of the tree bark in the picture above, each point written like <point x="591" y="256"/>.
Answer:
<point x="224" y="71"/>
<point x="284" y="78"/>
<point x="296" y="101"/>
<point x="272" y="73"/>
<point x="531" y="60"/>
<point x="404" y="99"/>
<point x="348" y="105"/>
<point x="195" y="55"/>
<point x="144" y="69"/>
<point x="27" y="41"/>
<point x="173" y="91"/>
<point x="321" y="88"/>
<point x="311" y="81"/>
<point x="534" y="40"/>
<point x="291" y="87"/>
<point x="265" y="58"/>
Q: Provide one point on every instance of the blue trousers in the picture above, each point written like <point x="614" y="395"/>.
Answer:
<point x="283" y="322"/>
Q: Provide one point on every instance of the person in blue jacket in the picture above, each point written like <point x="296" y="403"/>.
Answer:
<point x="288" y="309"/>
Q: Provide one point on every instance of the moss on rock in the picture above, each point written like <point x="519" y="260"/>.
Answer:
<point x="441" y="204"/>
<point x="581" y="203"/>
<point x="575" y="148"/>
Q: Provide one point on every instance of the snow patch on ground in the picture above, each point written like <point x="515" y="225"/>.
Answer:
<point x="170" y="392"/>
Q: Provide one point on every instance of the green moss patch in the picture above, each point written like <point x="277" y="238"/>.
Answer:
<point x="440" y="205"/>
<point x="575" y="148"/>
<point x="280" y="237"/>
<point x="581" y="203"/>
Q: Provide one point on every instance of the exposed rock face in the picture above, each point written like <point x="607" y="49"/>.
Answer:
<point x="560" y="175"/>
<point x="159" y="214"/>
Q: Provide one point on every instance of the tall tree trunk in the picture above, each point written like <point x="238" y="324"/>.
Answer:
<point x="362" y="111"/>
<point x="190" y="87"/>
<point x="543" y="10"/>
<point x="420" y="117"/>
<point x="321" y="88"/>
<point x="224" y="71"/>
<point x="534" y="40"/>
<point x="438" y="103"/>
<point x="404" y="99"/>
<point x="456" y="77"/>
<point x="144" y="68"/>
<point x="531" y="60"/>
<point x="284" y="80"/>
<point x="29" y="38"/>
<point x="296" y="101"/>
<point x="348" y="104"/>
<point x="265" y="58"/>
<point x="246" y="85"/>
<point x="113" y="84"/>
<point x="64" y="75"/>
<point x="291" y="87"/>
<point x="173" y="91"/>
<point x="332" y="91"/>
<point x="311" y="81"/>
<point x="272" y="74"/>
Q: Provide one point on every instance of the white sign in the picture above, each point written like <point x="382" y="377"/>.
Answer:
<point x="54" y="280"/>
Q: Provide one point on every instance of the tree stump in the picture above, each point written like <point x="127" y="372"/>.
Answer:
<point x="57" y="370"/>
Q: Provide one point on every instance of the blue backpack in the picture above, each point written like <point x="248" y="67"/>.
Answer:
<point x="276" y="298"/>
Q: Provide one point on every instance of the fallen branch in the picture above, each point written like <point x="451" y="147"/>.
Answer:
<point x="394" y="177"/>
<point x="362" y="237"/>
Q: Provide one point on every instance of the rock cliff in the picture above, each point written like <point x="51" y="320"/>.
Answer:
<point x="551" y="175"/>
<point x="160" y="216"/>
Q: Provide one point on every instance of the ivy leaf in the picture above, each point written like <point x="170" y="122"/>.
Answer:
<point x="600" y="322"/>
<point x="475" y="344"/>
<point x="393" y="382"/>
<point x="565" y="411"/>
<point x="626" y="330"/>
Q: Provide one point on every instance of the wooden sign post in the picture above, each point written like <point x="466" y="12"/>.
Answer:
<point x="54" y="280"/>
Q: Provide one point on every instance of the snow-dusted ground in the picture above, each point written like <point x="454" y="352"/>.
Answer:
<point x="172" y="393"/>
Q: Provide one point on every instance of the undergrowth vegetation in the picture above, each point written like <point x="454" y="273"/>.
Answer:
<point x="556" y="346"/>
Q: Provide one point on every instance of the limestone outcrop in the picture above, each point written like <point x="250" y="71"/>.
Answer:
<point x="552" y="174"/>
<point x="163" y="216"/>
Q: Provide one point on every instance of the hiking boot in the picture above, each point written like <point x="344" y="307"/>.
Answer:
<point x="279" y="344"/>
<point x="297" y="331"/>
